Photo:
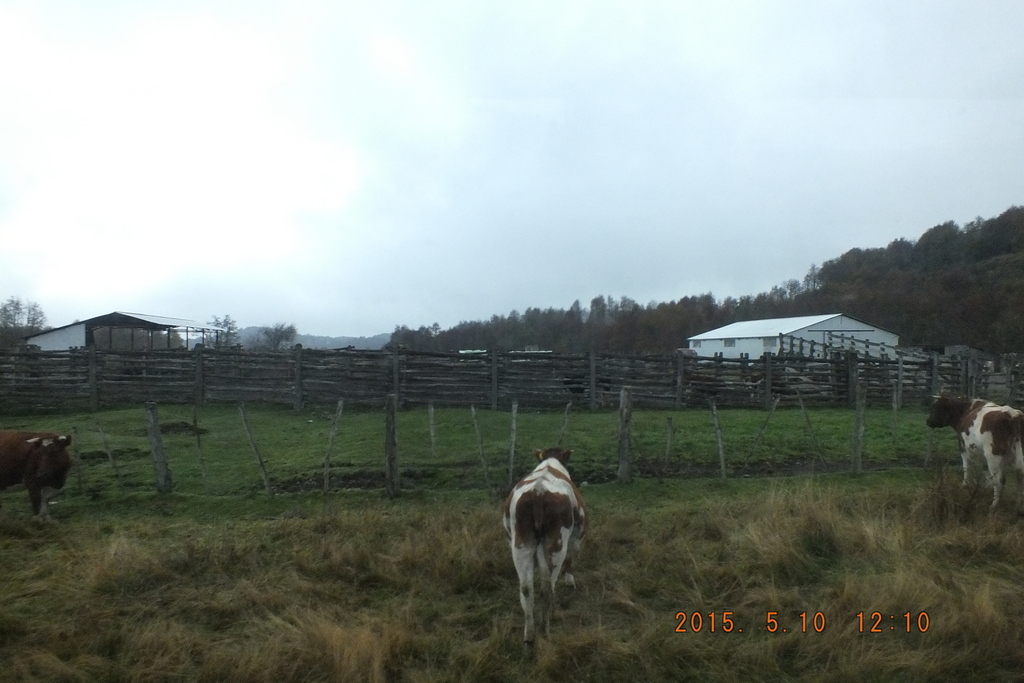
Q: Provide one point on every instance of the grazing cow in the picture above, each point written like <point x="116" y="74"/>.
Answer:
<point x="39" y="460"/>
<point x="545" y="522"/>
<point x="987" y="429"/>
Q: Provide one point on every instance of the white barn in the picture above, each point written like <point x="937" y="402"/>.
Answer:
<point x="757" y="337"/>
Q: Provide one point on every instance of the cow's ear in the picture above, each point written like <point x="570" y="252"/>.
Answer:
<point x="567" y="452"/>
<point x="65" y="440"/>
<point x="538" y="453"/>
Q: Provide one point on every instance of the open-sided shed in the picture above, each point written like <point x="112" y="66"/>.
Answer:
<point x="125" y="331"/>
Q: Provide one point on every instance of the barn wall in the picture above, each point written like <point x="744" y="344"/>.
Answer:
<point x="848" y="327"/>
<point x="62" y="339"/>
<point x="752" y="347"/>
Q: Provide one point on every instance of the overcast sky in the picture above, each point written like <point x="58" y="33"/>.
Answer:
<point x="353" y="166"/>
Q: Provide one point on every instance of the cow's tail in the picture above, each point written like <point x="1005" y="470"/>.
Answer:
<point x="542" y="530"/>
<point x="1017" y="433"/>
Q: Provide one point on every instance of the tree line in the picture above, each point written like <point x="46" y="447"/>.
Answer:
<point x="953" y="285"/>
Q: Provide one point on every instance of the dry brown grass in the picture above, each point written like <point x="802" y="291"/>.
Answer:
<point x="424" y="590"/>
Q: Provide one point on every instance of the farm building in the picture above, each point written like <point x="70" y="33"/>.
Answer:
<point x="125" y="331"/>
<point x="811" y="335"/>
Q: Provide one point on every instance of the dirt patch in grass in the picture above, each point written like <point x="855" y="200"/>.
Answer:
<point x="176" y="427"/>
<point x="118" y="453"/>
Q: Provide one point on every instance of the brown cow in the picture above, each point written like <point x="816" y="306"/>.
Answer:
<point x="39" y="460"/>
<point x="987" y="429"/>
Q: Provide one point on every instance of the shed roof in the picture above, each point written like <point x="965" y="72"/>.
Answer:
<point x="769" y="327"/>
<point x="142" y="321"/>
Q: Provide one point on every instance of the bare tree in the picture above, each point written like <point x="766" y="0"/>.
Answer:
<point x="19" y="318"/>
<point x="275" y="337"/>
<point x="229" y="334"/>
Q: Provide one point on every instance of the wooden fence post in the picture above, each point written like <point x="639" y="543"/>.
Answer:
<point x="929" y="449"/>
<point x="668" y="441"/>
<point x="853" y="378"/>
<point x="494" y="379"/>
<point x="858" y="429"/>
<point x="76" y="457"/>
<point x="197" y="355"/>
<point x="895" y="410"/>
<point x="512" y="446"/>
<point x="395" y="376"/>
<point x="330" y="442"/>
<point x="480" y="446"/>
<point x="199" y="446"/>
<point x="94" y="389"/>
<point x="255" y="451"/>
<point x="718" y="436"/>
<point x="110" y="456"/>
<point x="433" y="432"/>
<point x="565" y="423"/>
<point x="810" y="429"/>
<point x="593" y="382"/>
<point x="936" y="377"/>
<point x="767" y="380"/>
<point x="164" y="483"/>
<point x="297" y="356"/>
<point x="900" y="375"/>
<point x="625" y="420"/>
<point x="392" y="480"/>
<point x="680" y="378"/>
<point x="764" y="427"/>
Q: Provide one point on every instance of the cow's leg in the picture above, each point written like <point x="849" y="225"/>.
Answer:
<point x="35" y="496"/>
<point x="547" y="576"/>
<point x="1018" y="464"/>
<point x="964" y="458"/>
<point x="575" y="544"/>
<point x="557" y="555"/>
<point x="996" y="477"/>
<point x="523" y="559"/>
<point x="46" y="494"/>
<point x="570" y="580"/>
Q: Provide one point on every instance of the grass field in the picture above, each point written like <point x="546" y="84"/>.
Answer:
<point x="129" y="585"/>
<point x="294" y="444"/>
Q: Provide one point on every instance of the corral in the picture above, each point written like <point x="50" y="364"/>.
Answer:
<point x="92" y="379"/>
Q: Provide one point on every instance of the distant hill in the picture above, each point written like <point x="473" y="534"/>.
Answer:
<point x="312" y="341"/>
<point x="249" y="335"/>
<point x="953" y="285"/>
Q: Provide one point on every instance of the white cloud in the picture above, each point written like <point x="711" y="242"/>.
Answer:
<point x="166" y="146"/>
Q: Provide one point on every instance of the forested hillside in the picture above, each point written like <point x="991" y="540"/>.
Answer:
<point x="953" y="285"/>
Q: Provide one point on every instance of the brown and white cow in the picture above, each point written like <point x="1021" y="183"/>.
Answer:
<point x="987" y="429"/>
<point x="545" y="522"/>
<point x="39" y="460"/>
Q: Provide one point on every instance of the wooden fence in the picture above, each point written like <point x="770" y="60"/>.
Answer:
<point x="91" y="379"/>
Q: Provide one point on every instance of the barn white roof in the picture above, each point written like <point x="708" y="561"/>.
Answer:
<point x="122" y="319"/>
<point x="169" y="322"/>
<point x="769" y="327"/>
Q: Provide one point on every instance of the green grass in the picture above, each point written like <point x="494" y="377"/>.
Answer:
<point x="294" y="444"/>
